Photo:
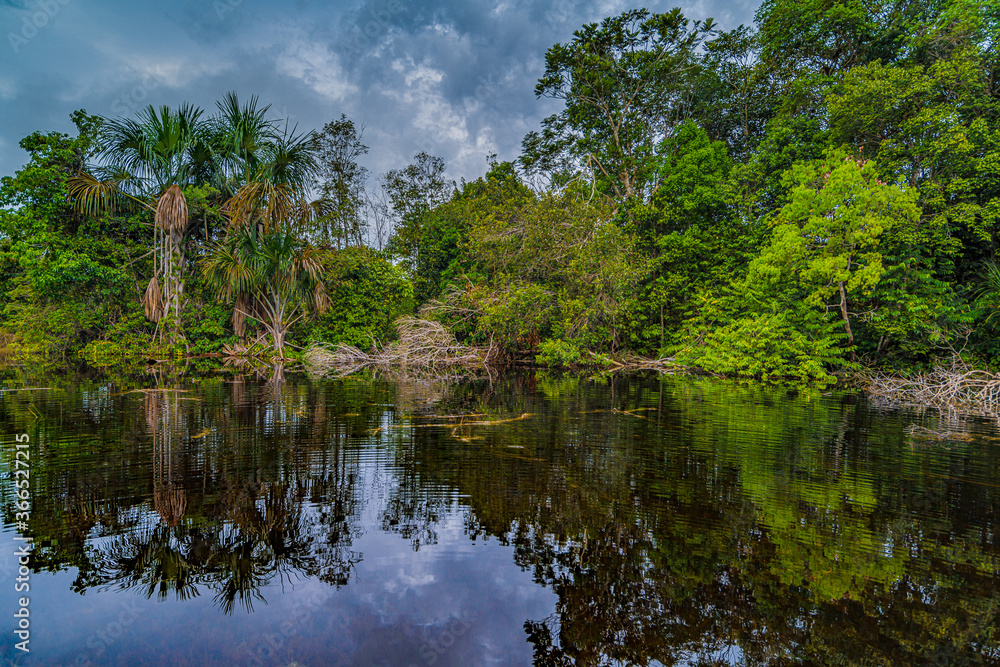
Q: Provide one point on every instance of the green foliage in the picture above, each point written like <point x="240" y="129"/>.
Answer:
<point x="206" y="330"/>
<point x="567" y="354"/>
<point x="770" y="201"/>
<point x="557" y="352"/>
<point x="516" y="315"/>
<point x="413" y="193"/>
<point x="367" y="295"/>
<point x="624" y="82"/>
<point x="65" y="277"/>
<point x="690" y="232"/>
<point x="770" y="347"/>
<point x="825" y="244"/>
<point x="556" y="265"/>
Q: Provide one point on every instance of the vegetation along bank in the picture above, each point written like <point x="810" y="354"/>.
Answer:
<point x="799" y="199"/>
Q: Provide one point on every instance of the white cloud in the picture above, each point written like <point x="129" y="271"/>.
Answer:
<point x="7" y="89"/>
<point x="316" y="66"/>
<point x="419" y="97"/>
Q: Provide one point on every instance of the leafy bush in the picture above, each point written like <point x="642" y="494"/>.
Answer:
<point x="767" y="347"/>
<point x="367" y="294"/>
<point x="557" y="352"/>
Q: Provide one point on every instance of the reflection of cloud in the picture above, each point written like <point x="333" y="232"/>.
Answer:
<point x="407" y="580"/>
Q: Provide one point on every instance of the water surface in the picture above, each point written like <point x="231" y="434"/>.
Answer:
<point x="229" y="519"/>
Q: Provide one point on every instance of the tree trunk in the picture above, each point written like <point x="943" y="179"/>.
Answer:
<point x="847" y="321"/>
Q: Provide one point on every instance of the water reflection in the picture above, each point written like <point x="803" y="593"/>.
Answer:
<point x="675" y="521"/>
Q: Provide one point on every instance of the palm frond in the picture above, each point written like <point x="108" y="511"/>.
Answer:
<point x="263" y="202"/>
<point x="91" y="196"/>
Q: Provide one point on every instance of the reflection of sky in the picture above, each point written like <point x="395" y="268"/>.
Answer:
<point x="455" y="602"/>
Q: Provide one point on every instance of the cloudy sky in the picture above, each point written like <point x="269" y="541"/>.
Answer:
<point x="454" y="78"/>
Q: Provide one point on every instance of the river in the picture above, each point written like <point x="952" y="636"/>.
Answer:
<point x="231" y="519"/>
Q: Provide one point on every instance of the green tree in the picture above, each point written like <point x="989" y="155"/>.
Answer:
<point x="555" y="266"/>
<point x="825" y="240"/>
<point x="341" y="181"/>
<point x="413" y="192"/>
<point x="626" y="83"/>
<point x="64" y="277"/>
<point x="282" y="277"/>
<point x="367" y="292"/>
<point x="737" y="92"/>
<point x="689" y="231"/>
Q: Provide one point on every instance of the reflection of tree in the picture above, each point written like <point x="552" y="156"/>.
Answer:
<point x="250" y="482"/>
<point x="676" y="521"/>
<point x="169" y="498"/>
<point x="698" y="523"/>
<point x="261" y="537"/>
<point x="412" y="510"/>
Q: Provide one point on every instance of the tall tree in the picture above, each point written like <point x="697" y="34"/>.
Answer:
<point x="626" y="82"/>
<point x="825" y="244"/>
<point x="412" y="192"/>
<point x="341" y="182"/>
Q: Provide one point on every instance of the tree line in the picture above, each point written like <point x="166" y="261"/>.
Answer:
<point x="807" y="195"/>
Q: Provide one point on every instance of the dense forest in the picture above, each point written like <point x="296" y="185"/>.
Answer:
<point x="814" y="194"/>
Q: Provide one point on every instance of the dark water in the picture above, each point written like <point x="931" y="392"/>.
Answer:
<point x="230" y="520"/>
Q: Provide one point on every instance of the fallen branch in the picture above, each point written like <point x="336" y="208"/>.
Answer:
<point x="955" y="386"/>
<point x="423" y="346"/>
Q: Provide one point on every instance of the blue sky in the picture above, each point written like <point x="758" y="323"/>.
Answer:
<point x="454" y="78"/>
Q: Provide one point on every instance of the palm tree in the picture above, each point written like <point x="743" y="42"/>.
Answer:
<point x="270" y="196"/>
<point x="148" y="160"/>
<point x="271" y="269"/>
<point x="274" y="193"/>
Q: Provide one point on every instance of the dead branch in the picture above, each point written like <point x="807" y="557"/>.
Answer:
<point x="423" y="347"/>
<point x="953" y="386"/>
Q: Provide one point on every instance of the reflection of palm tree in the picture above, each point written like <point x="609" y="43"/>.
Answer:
<point x="244" y="524"/>
<point x="163" y="417"/>
<point x="243" y="570"/>
<point x="170" y="502"/>
<point x="150" y="560"/>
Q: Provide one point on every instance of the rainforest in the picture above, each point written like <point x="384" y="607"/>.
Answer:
<point x="704" y="371"/>
<point x="797" y="200"/>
